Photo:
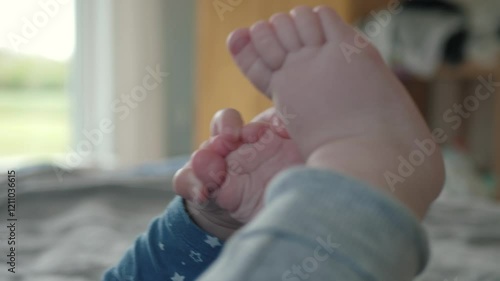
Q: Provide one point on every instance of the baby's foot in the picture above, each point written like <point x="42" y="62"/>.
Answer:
<point x="353" y="116"/>
<point x="227" y="177"/>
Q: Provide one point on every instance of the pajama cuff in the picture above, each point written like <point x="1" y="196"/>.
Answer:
<point x="184" y="229"/>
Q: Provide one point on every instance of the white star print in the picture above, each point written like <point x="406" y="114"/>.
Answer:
<point x="183" y="263"/>
<point x="177" y="277"/>
<point x="212" y="241"/>
<point x="162" y="247"/>
<point x="195" y="256"/>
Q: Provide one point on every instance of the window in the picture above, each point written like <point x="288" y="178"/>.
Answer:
<point x="71" y="67"/>
<point x="36" y="51"/>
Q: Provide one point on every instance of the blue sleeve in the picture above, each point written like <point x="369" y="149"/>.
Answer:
<point x="319" y="225"/>
<point x="173" y="248"/>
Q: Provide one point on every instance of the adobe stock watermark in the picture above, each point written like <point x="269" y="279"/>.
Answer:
<point x="122" y="106"/>
<point x="304" y="269"/>
<point x="224" y="6"/>
<point x="371" y="29"/>
<point x="31" y="26"/>
<point x="455" y="117"/>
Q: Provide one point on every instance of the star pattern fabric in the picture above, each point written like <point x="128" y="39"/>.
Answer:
<point x="177" y="277"/>
<point x="174" y="248"/>
<point x="196" y="257"/>
<point x="213" y="241"/>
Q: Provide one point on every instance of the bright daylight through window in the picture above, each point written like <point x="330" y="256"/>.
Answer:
<point x="36" y="48"/>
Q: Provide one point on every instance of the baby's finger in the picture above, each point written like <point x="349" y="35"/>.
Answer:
<point x="271" y="116"/>
<point x="252" y="132"/>
<point x="205" y="144"/>
<point x="186" y="185"/>
<point x="265" y="116"/>
<point x="222" y="146"/>
<point x="209" y="168"/>
<point x="227" y="122"/>
<point x="279" y="127"/>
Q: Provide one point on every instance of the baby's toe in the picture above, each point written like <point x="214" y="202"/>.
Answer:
<point x="332" y="24"/>
<point x="267" y="45"/>
<point x="309" y="26"/>
<point x="286" y="32"/>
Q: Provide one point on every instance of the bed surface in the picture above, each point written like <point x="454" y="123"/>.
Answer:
<point x="74" y="229"/>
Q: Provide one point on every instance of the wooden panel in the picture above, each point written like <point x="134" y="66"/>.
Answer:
<point x="355" y="9"/>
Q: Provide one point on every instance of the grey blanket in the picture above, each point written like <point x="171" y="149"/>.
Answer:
<point x="76" y="228"/>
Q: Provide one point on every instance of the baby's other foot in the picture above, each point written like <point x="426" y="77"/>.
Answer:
<point x="353" y="115"/>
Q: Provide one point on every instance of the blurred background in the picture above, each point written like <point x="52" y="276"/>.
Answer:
<point x="68" y="66"/>
<point x="34" y="88"/>
<point x="101" y="101"/>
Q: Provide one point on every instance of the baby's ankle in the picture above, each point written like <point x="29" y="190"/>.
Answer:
<point x="370" y="161"/>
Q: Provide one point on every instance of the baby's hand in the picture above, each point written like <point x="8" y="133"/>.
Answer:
<point x="225" y="180"/>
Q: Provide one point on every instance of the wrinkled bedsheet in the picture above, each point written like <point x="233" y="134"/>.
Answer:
<point x="73" y="228"/>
